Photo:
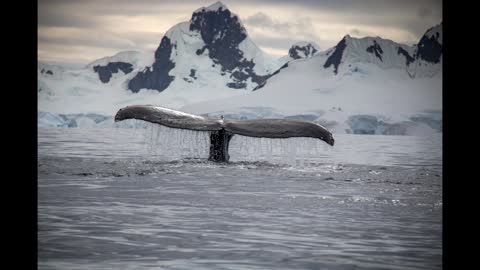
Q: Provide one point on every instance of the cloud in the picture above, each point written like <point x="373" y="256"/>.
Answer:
<point x="413" y="16"/>
<point x="93" y="27"/>
<point x="424" y="12"/>
<point x="260" y="19"/>
<point x="273" y="33"/>
<point x="355" y="32"/>
<point x="297" y="26"/>
<point x="73" y="54"/>
<point x="75" y="36"/>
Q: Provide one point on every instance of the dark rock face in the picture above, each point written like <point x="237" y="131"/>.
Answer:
<point x="307" y="50"/>
<point x="429" y="48"/>
<point x="222" y="33"/>
<point x="237" y="85"/>
<point x="409" y="59"/>
<point x="268" y="76"/>
<point x="239" y="77"/>
<point x="192" y="73"/>
<point x="192" y="76"/>
<point x="336" y="56"/>
<point x="156" y="77"/>
<point x="278" y="70"/>
<point x="49" y="72"/>
<point x="376" y="49"/>
<point x="105" y="72"/>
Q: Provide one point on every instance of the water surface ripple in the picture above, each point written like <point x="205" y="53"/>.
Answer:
<point x="108" y="201"/>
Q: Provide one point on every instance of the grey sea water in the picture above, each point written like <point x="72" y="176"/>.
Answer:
<point x="120" y="198"/>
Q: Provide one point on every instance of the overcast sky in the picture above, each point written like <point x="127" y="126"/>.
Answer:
<point x="80" y="31"/>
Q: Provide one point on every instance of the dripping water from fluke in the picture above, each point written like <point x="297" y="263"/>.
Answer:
<point x="166" y="144"/>
<point x="296" y="152"/>
<point x="161" y="143"/>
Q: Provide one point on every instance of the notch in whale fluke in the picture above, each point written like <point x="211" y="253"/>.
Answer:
<point x="221" y="131"/>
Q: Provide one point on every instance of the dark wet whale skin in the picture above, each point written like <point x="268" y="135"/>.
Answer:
<point x="266" y="128"/>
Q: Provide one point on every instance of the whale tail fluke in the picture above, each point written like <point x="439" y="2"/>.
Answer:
<point x="221" y="131"/>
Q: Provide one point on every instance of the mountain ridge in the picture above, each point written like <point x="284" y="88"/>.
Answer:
<point x="214" y="31"/>
<point x="243" y="65"/>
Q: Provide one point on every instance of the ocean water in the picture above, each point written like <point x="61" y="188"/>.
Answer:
<point x="123" y="198"/>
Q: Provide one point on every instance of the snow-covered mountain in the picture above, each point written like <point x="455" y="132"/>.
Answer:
<point x="303" y="50"/>
<point x="209" y="65"/>
<point x="214" y="48"/>
<point x="126" y="62"/>
<point x="350" y="51"/>
<point x="362" y="85"/>
<point x="366" y="99"/>
<point x="427" y="56"/>
<point x="298" y="50"/>
<point x="424" y="59"/>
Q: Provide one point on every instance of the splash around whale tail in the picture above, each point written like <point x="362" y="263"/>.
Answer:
<point x="221" y="130"/>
